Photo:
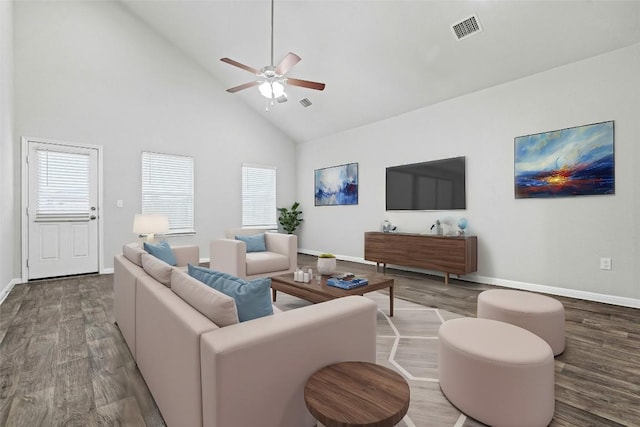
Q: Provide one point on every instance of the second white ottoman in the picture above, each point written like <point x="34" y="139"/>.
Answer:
<point x="540" y="314"/>
<point x="497" y="373"/>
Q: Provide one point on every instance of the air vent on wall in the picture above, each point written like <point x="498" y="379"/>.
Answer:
<point x="466" y="27"/>
<point x="305" y="102"/>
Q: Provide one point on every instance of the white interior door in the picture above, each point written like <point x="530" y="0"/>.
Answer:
<point x="62" y="210"/>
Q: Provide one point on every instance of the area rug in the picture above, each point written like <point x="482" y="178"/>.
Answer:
<point x="408" y="344"/>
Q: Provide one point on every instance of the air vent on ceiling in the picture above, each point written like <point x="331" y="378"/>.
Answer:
<point x="466" y="27"/>
<point x="305" y="102"/>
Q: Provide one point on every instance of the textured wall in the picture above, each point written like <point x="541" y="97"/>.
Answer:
<point x="539" y="242"/>
<point x="91" y="73"/>
<point x="8" y="262"/>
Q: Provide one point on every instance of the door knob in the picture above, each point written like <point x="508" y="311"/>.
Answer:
<point x="92" y="217"/>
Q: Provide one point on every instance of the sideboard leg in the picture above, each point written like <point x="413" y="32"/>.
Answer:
<point x="446" y="278"/>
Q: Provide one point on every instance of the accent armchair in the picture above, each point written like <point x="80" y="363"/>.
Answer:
<point x="230" y="255"/>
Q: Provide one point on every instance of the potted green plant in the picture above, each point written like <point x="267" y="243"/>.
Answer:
<point x="326" y="264"/>
<point x="290" y="218"/>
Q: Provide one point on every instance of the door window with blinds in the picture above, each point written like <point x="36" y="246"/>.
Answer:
<point x="62" y="186"/>
<point x="259" y="197"/>
<point x="167" y="189"/>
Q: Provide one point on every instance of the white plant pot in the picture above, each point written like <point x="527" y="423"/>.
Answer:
<point x="326" y="266"/>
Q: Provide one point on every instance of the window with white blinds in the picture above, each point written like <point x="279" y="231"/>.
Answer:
<point x="167" y="189"/>
<point x="62" y="186"/>
<point x="259" y="196"/>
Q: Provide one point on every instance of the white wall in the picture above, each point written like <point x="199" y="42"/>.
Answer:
<point x="527" y="243"/>
<point x="7" y="195"/>
<point x="90" y="72"/>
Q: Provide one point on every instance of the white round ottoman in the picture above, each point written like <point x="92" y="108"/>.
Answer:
<point x="540" y="314"/>
<point x="497" y="373"/>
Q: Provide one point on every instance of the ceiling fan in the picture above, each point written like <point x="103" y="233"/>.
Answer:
<point x="271" y="79"/>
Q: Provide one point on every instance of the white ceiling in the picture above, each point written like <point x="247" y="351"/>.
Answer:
<point x="384" y="58"/>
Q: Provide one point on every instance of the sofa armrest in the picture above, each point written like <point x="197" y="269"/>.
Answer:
<point x="229" y="256"/>
<point x="285" y="244"/>
<point x="263" y="364"/>
<point x="168" y="332"/>
<point x="125" y="275"/>
<point x="186" y="255"/>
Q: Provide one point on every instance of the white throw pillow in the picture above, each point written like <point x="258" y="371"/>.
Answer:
<point x="158" y="269"/>
<point x="216" y="306"/>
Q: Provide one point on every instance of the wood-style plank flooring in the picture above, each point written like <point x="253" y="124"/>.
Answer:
<point x="64" y="362"/>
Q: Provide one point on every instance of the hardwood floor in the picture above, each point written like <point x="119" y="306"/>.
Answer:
<point x="64" y="362"/>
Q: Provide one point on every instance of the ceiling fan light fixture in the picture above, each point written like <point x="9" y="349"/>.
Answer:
<point x="271" y="89"/>
<point x="271" y="79"/>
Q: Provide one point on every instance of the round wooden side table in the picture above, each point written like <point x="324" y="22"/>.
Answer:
<point x="349" y="394"/>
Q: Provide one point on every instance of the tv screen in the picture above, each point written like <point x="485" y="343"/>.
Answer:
<point x="427" y="186"/>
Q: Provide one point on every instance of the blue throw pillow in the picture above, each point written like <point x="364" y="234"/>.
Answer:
<point x="253" y="298"/>
<point x="255" y="242"/>
<point x="161" y="251"/>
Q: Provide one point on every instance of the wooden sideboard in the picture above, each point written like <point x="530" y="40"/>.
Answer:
<point x="449" y="254"/>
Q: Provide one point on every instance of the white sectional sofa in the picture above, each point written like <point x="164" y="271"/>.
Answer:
<point x="244" y="374"/>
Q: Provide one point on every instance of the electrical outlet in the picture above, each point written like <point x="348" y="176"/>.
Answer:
<point x="605" y="263"/>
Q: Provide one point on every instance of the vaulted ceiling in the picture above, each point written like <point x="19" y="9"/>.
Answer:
<point x="380" y="59"/>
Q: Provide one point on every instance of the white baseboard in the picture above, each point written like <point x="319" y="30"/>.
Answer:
<point x="340" y="257"/>
<point x="563" y="292"/>
<point x="525" y="286"/>
<point x="7" y="289"/>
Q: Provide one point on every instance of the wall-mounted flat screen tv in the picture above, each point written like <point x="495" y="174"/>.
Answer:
<point x="428" y="186"/>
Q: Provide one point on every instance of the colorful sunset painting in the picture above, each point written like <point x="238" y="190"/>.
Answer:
<point x="337" y="185"/>
<point x="576" y="161"/>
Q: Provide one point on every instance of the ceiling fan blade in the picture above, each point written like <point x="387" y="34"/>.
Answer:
<point x="239" y="65"/>
<point x="305" y="83"/>
<point x="287" y="63"/>
<point x="242" y="87"/>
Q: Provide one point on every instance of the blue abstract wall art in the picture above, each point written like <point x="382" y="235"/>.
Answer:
<point x="336" y="185"/>
<point x="568" y="162"/>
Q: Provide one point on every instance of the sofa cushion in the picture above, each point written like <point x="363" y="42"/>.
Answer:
<point x="161" y="250"/>
<point x="216" y="306"/>
<point x="158" y="269"/>
<point x="231" y="233"/>
<point x="253" y="298"/>
<point x="266" y="262"/>
<point x="133" y="252"/>
<point x="254" y="242"/>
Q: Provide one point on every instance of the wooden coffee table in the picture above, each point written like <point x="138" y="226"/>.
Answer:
<point x="357" y="394"/>
<point x="319" y="292"/>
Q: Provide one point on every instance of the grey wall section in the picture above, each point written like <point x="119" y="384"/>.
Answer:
<point x="91" y="73"/>
<point x="7" y="195"/>
<point x="553" y="243"/>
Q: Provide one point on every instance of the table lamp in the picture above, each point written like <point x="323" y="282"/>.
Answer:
<point x="149" y="224"/>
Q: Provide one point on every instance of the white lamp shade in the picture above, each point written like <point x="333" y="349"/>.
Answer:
<point x="271" y="89"/>
<point x="150" y="224"/>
